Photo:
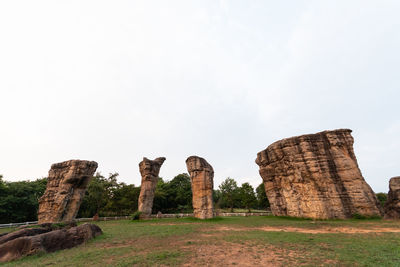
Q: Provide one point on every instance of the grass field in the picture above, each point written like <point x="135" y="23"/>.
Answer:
<point x="242" y="241"/>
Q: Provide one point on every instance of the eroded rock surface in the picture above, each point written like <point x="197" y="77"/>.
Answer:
<point x="66" y="187"/>
<point x="23" y="232"/>
<point x="149" y="170"/>
<point x="202" y="178"/>
<point x="392" y="205"/>
<point x="47" y="242"/>
<point x="316" y="176"/>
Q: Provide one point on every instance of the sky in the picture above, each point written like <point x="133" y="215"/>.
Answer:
<point x="116" y="81"/>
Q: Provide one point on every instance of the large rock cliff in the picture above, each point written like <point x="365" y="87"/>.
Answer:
<point x="316" y="176"/>
<point x="149" y="170"/>
<point x="66" y="187"/>
<point x="202" y="178"/>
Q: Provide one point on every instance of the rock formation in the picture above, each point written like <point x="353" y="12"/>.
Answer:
<point x="66" y="186"/>
<point x="201" y="176"/>
<point x="23" y="232"/>
<point x="392" y="205"/>
<point x="316" y="176"/>
<point x="46" y="242"/>
<point x="149" y="170"/>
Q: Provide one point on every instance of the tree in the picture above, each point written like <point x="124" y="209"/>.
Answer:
<point x="98" y="195"/>
<point x="262" y="198"/>
<point x="19" y="200"/>
<point x="180" y="193"/>
<point x="125" y="199"/>
<point x="173" y="196"/>
<point x="229" y="192"/>
<point x="247" y="196"/>
<point x="160" y="202"/>
<point x="382" y="197"/>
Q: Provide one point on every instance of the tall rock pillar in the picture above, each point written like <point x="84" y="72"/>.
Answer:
<point x="316" y="176"/>
<point x="202" y="178"/>
<point x="66" y="187"/>
<point x="392" y="205"/>
<point x="149" y="170"/>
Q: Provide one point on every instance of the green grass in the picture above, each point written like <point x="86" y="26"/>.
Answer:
<point x="241" y="210"/>
<point x="172" y="242"/>
<point x="347" y="249"/>
<point x="6" y="230"/>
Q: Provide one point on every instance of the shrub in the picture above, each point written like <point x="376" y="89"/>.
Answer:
<point x="364" y="217"/>
<point x="136" y="215"/>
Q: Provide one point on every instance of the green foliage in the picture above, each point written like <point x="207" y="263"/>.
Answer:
<point x="382" y="197"/>
<point x="230" y="195"/>
<point x="136" y="215"/>
<point x="262" y="198"/>
<point x="173" y="196"/>
<point x="19" y="200"/>
<point x="247" y="196"/>
<point x="358" y="216"/>
<point x="108" y="197"/>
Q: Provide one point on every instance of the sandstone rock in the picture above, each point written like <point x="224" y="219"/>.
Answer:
<point x="392" y="205"/>
<point x="201" y="176"/>
<point x="23" y="232"/>
<point x="48" y="242"/>
<point x="316" y="176"/>
<point x="66" y="186"/>
<point x="149" y="170"/>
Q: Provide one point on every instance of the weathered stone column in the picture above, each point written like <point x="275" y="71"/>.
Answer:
<point x="392" y="205"/>
<point x="66" y="187"/>
<point x="201" y="176"/>
<point x="316" y="176"/>
<point x="149" y="169"/>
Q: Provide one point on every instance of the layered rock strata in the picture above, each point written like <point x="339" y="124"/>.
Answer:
<point x="316" y="176"/>
<point x="23" y="232"/>
<point x="28" y="244"/>
<point x="202" y="179"/>
<point x="149" y="170"/>
<point x="392" y="205"/>
<point x="66" y="187"/>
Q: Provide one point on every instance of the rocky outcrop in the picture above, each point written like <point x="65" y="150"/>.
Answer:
<point x="66" y="187"/>
<point x="202" y="178"/>
<point x="316" y="176"/>
<point x="47" y="242"/>
<point x="23" y="232"/>
<point x="392" y="205"/>
<point x="149" y="170"/>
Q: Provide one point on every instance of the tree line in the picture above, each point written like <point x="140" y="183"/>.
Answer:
<point x="106" y="196"/>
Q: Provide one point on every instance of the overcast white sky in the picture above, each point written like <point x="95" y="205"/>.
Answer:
<point x="113" y="81"/>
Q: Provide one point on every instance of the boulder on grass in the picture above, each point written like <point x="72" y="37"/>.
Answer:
<point x="47" y="242"/>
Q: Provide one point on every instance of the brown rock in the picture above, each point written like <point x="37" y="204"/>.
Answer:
<point x="66" y="186"/>
<point x="23" y="232"/>
<point x="316" y="176"/>
<point x="392" y="205"/>
<point x="149" y="170"/>
<point x="47" y="242"/>
<point x="201" y="176"/>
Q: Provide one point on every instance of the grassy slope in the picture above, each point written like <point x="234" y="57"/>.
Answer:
<point x="174" y="241"/>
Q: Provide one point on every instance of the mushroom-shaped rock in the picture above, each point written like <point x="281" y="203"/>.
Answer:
<point x="149" y="170"/>
<point x="202" y="178"/>
<point x="66" y="187"/>
<point x="316" y="176"/>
